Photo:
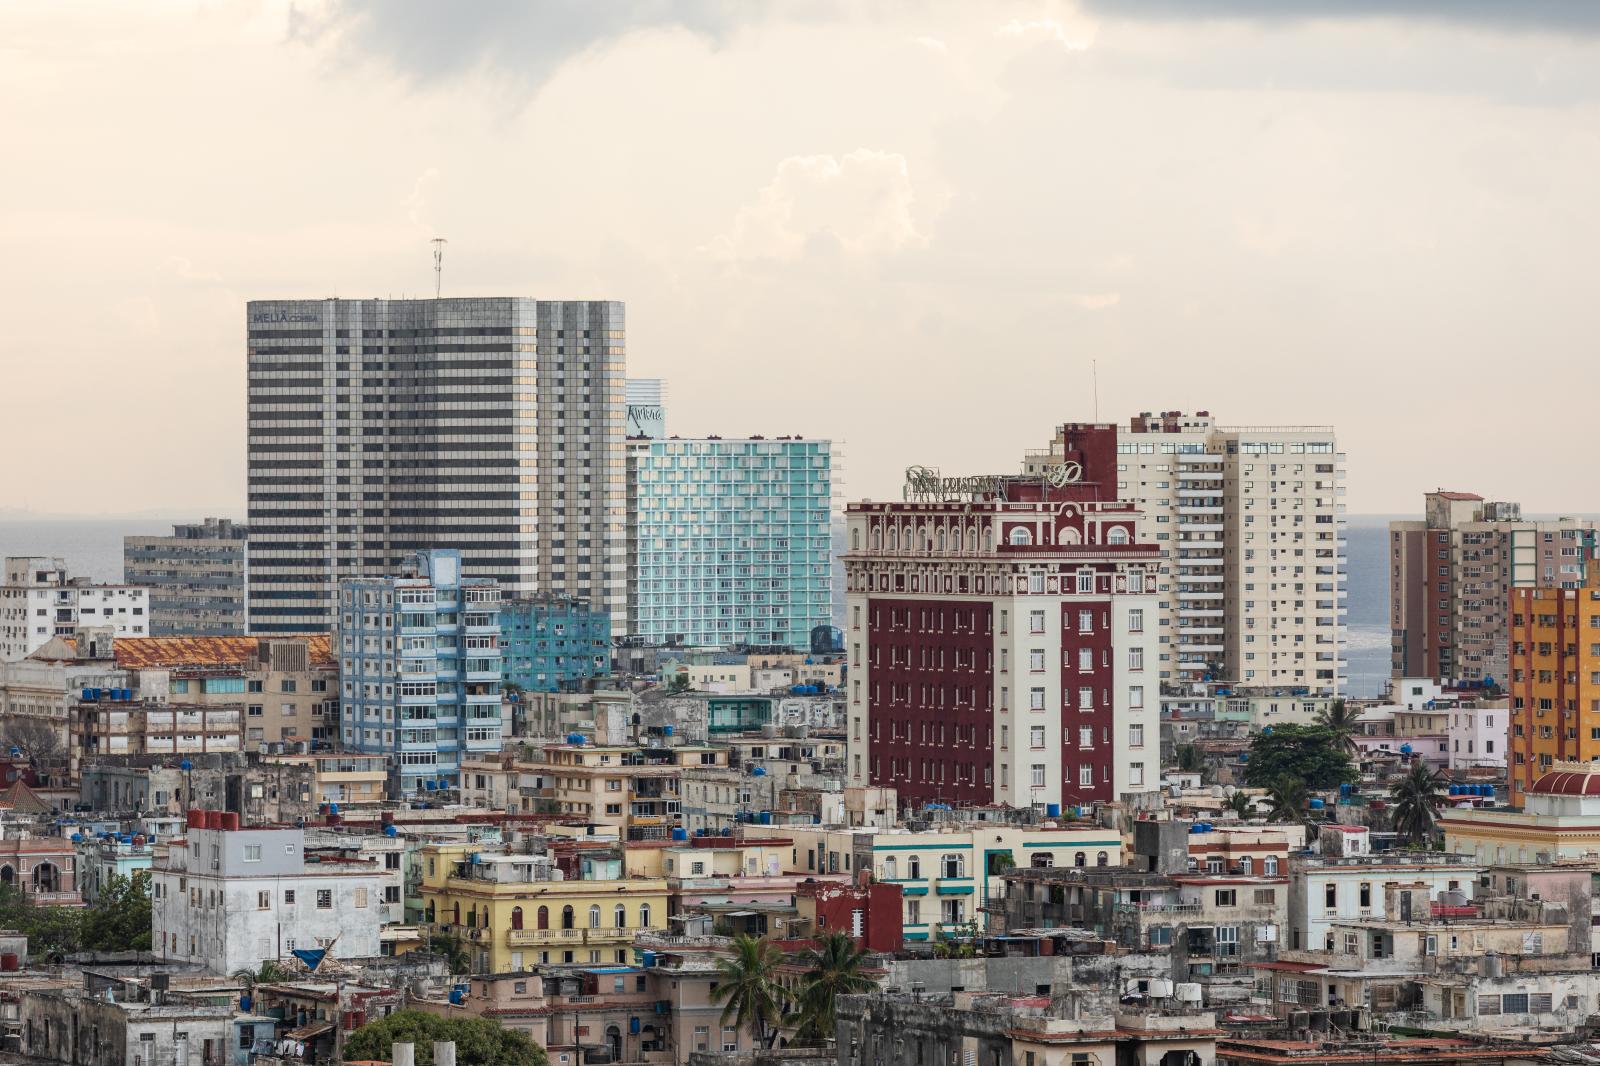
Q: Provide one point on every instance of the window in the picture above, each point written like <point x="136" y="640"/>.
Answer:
<point x="1136" y="735"/>
<point x="1135" y="697"/>
<point x="1085" y="698"/>
<point x="1036" y="736"/>
<point x="1035" y="621"/>
<point x="263" y="901"/>
<point x="1085" y="775"/>
<point x="1330" y="896"/>
<point x="288" y="897"/>
<point x="1036" y="775"/>
<point x="1085" y="621"/>
<point x="1135" y="773"/>
<point x="730" y="1038"/>
<point x="1514" y="1003"/>
<point x="1227" y="897"/>
<point x="324" y="899"/>
<point x="1136" y="620"/>
<point x="1036" y="699"/>
<point x="953" y="864"/>
<point x="1136" y="658"/>
<point x="1036" y="660"/>
<point x="252" y="853"/>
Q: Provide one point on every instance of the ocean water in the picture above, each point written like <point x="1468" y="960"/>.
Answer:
<point x="1367" y="623"/>
<point x="92" y="547"/>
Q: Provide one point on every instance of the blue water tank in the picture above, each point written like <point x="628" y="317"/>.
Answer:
<point x="1345" y="789"/>
<point x="430" y="786"/>
<point x="766" y="817"/>
<point x="90" y="695"/>
<point x="633" y="1026"/>
<point x="16" y="752"/>
<point x="77" y="838"/>
<point x="575" y="739"/>
<point x="333" y="808"/>
<point x="680" y="834"/>
<point x="1488" y="790"/>
<point x="244" y="1003"/>
<point x="1455" y="790"/>
<point x="1405" y="749"/>
<point x="127" y="838"/>
<point x="475" y="858"/>
<point x="1199" y="827"/>
<point x="390" y="831"/>
<point x="816" y="819"/>
<point x="647" y="959"/>
<point x="759" y="771"/>
<point x="666" y="730"/>
<point x="1052" y="810"/>
<point x="1267" y="732"/>
<point x="457" y="996"/>
<point x="1316" y="803"/>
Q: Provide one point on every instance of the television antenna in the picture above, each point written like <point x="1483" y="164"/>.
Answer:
<point x="438" y="264"/>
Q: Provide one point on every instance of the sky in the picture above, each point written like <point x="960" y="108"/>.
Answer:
<point x="920" y="229"/>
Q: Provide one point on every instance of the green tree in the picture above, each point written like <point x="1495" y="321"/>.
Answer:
<point x="119" y="920"/>
<point x="479" y="1041"/>
<point x="1340" y="720"/>
<point x="1241" y="804"/>
<point x="836" y="970"/>
<point x="678" y="683"/>
<point x="270" y="972"/>
<point x="1416" y="799"/>
<point x="51" y="931"/>
<point x="457" y="956"/>
<point x="1308" y="753"/>
<point x="748" y="990"/>
<point x="1287" y="798"/>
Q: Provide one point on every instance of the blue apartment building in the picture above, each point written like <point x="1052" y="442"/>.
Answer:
<point x="553" y="643"/>
<point x="729" y="540"/>
<point x="419" y="670"/>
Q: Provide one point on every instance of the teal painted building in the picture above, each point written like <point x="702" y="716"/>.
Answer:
<point x="730" y="540"/>
<point x="553" y="643"/>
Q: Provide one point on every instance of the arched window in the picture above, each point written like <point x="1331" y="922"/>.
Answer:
<point x="891" y="869"/>
<point x="1102" y="859"/>
<point x="566" y="916"/>
<point x="1117" y="535"/>
<point x="644" y="916"/>
<point x="894" y="539"/>
<point x="1080" y="859"/>
<point x="1246" y="865"/>
<point x="877" y="539"/>
<point x="516" y="917"/>
<point x="7" y="875"/>
<point x="943" y="542"/>
<point x="988" y="538"/>
<point x="427" y="913"/>
<point x="542" y="918"/>
<point x="855" y="540"/>
<point x="455" y="914"/>
<point x="914" y="868"/>
<point x="1269" y="865"/>
<point x="1020" y="537"/>
<point x="594" y="916"/>
<point x="621" y="916"/>
<point x="953" y="864"/>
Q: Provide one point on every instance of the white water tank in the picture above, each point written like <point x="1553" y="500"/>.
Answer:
<point x="1188" y="992"/>
<point x="1161" y="987"/>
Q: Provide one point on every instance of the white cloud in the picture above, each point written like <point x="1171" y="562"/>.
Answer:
<point x="1096" y="301"/>
<point x="1050" y="30"/>
<point x="417" y="203"/>
<point x="860" y="204"/>
<point x="933" y="44"/>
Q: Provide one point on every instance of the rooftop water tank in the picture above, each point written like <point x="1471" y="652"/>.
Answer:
<point x="1052" y="810"/>
<point x="390" y="831"/>
<point x="680" y="834"/>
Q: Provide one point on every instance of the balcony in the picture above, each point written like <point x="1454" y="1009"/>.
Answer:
<point x="568" y="937"/>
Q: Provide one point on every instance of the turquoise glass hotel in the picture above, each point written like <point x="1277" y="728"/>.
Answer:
<point x="729" y="540"/>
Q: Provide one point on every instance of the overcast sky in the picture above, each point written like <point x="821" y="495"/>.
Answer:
<point x="906" y="226"/>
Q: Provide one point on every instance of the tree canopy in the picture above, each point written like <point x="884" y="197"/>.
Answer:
<point x="120" y="917"/>
<point x="479" y="1041"/>
<point x="1308" y="753"/>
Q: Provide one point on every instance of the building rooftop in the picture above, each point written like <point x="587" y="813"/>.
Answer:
<point x="145" y="653"/>
<point x="1567" y="783"/>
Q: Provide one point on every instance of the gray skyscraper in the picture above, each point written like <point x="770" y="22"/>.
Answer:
<point x="196" y="578"/>
<point x="379" y="428"/>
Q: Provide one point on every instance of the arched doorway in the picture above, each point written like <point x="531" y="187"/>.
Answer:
<point x="614" y="1042"/>
<point x="46" y="878"/>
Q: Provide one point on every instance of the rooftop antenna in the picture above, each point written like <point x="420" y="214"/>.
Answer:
<point x="438" y="264"/>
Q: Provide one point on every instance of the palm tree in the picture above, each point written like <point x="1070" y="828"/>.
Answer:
<point x="1191" y="760"/>
<point x="1416" y="797"/>
<point x="753" y="996"/>
<point x="836" y="970"/>
<point x="1287" y="798"/>
<point x="1340" y="720"/>
<point x="269" y="973"/>
<point x="1241" y="804"/>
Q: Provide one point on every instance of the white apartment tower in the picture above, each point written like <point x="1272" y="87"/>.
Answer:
<point x="381" y="428"/>
<point x="1252" y="584"/>
<point x="39" y="601"/>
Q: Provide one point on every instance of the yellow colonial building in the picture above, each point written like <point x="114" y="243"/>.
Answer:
<point x="512" y="912"/>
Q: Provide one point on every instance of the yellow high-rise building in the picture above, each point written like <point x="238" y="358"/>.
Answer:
<point x="1555" y="680"/>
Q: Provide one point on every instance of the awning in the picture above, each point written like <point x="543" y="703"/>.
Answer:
<point x="307" y="1032"/>
<point x="914" y="936"/>
<point x="913" y="890"/>
<point x="955" y="890"/>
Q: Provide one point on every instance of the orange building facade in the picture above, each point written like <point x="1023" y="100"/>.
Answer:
<point x="1554" y="680"/>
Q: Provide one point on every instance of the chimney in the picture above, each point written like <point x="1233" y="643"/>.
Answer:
<point x="444" y="1053"/>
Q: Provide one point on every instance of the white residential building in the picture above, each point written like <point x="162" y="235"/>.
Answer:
<point x="230" y="898"/>
<point x="1252" y="522"/>
<point x="39" y="601"/>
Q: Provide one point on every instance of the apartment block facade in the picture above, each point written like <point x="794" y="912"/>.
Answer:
<point x="196" y="578"/>
<point x="419" y="668"/>
<point x="553" y="643"/>
<point x="1002" y="636"/>
<point x="380" y="428"/>
<point x="1554" y="681"/>
<point x="1251" y="523"/>
<point x="40" y="600"/>
<point x="731" y="540"/>
<point x="1450" y="578"/>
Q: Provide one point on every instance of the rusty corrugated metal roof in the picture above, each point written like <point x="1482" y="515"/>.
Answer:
<point x="146" y="653"/>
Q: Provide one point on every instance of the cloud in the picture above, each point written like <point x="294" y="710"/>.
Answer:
<point x="1049" y="29"/>
<point x="858" y="204"/>
<point x="1096" y="301"/>
<point x="1558" y="16"/>
<point x="933" y="44"/>
<point x="417" y="202"/>
<point x="525" y="43"/>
